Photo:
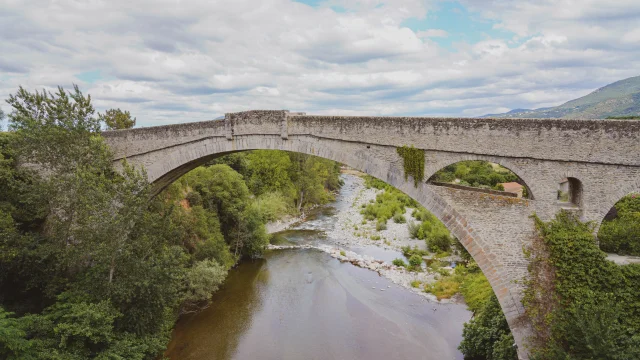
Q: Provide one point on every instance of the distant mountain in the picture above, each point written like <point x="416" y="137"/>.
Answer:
<point x="622" y="98"/>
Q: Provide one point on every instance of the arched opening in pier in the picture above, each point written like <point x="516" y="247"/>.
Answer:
<point x="570" y="191"/>
<point x="619" y="232"/>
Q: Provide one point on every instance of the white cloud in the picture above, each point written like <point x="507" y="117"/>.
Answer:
<point x="431" y="33"/>
<point x="177" y="60"/>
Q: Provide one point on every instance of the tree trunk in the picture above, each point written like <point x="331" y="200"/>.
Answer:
<point x="300" y="203"/>
<point x="112" y="269"/>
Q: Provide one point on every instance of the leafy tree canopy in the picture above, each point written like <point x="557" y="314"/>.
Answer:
<point x="116" y="119"/>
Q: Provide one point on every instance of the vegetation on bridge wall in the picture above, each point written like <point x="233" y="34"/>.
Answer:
<point x="413" y="163"/>
<point x="582" y="306"/>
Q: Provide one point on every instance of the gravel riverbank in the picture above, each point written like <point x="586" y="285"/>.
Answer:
<point x="350" y="230"/>
<point x="283" y="224"/>
<point x="349" y="233"/>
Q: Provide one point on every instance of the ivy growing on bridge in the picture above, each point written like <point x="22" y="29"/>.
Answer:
<point x="413" y="163"/>
<point x="581" y="305"/>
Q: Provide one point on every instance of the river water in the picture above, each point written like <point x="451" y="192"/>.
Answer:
<point x="304" y="304"/>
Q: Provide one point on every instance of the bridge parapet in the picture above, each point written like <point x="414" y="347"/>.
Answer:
<point x="587" y="141"/>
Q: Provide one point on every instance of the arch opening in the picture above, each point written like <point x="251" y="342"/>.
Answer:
<point x="432" y="226"/>
<point x="482" y="175"/>
<point x="619" y="232"/>
<point x="570" y="191"/>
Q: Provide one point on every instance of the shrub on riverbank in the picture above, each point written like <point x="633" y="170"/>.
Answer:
<point x="390" y="204"/>
<point x="431" y="230"/>
<point x="399" y="262"/>
<point x="415" y="261"/>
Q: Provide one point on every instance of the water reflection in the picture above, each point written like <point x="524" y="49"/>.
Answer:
<point x="303" y="304"/>
<point x="215" y="332"/>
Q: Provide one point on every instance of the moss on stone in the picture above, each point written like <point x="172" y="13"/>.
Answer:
<point x="413" y="163"/>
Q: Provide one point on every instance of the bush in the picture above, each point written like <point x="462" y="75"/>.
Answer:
<point x="343" y="253"/>
<point x="387" y="204"/>
<point x="415" y="260"/>
<point x="399" y="262"/>
<point x="621" y="235"/>
<point x="413" y="229"/>
<point x="439" y="240"/>
<point x="399" y="218"/>
<point x="381" y="225"/>
<point x="408" y="251"/>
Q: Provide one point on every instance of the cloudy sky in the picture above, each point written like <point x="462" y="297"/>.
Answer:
<point x="175" y="61"/>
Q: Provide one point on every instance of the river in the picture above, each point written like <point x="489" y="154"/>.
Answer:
<point x="305" y="304"/>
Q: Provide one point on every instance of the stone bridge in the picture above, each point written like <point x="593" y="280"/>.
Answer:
<point x="600" y="158"/>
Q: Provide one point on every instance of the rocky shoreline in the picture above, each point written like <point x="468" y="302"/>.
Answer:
<point x="283" y="224"/>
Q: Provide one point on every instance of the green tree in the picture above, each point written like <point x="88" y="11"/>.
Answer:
<point x="203" y="279"/>
<point x="225" y="193"/>
<point x="13" y="342"/>
<point x="116" y="119"/>
<point x="105" y="274"/>
<point x="269" y="172"/>
<point x="487" y="335"/>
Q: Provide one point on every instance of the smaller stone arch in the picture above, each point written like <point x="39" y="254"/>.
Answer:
<point x="611" y="201"/>
<point x="571" y="191"/>
<point x="432" y="168"/>
<point x="620" y="235"/>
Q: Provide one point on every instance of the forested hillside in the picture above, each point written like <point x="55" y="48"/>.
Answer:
<point x="90" y="265"/>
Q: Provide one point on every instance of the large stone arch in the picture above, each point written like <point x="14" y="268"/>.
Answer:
<point x="169" y="163"/>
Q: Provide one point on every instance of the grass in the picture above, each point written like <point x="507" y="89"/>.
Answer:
<point x="444" y="288"/>
<point x="466" y="280"/>
<point x="343" y="253"/>
<point x="416" y="283"/>
<point x="408" y="251"/>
